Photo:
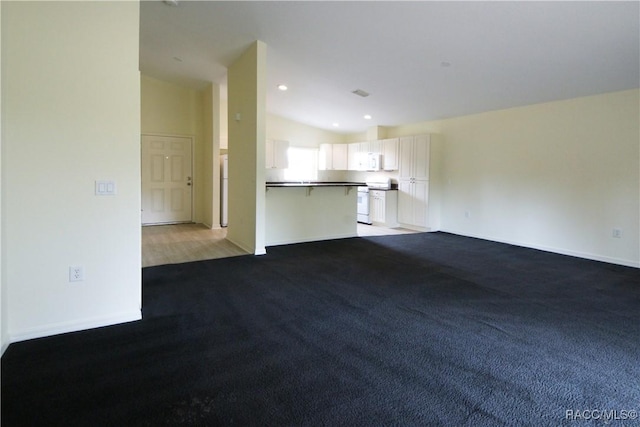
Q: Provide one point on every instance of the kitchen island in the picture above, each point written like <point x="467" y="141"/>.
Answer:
<point x="308" y="211"/>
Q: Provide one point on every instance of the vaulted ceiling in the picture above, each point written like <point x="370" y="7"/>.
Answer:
<point x="418" y="60"/>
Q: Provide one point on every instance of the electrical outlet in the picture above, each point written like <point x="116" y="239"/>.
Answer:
<point x="76" y="273"/>
<point x="617" y="233"/>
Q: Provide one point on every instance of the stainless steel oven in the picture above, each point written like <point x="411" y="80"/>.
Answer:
<point x="363" y="205"/>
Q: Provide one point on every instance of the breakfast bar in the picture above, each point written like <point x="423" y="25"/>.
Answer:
<point x="308" y="211"/>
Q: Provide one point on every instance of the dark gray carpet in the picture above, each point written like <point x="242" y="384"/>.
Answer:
<point x="423" y="329"/>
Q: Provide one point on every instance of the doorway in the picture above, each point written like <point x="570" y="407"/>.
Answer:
<point x="167" y="179"/>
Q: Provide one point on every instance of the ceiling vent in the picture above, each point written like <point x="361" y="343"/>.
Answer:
<point x="361" y="93"/>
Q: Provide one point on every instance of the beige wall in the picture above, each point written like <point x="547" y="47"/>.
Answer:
<point x="301" y="135"/>
<point x="246" y="127"/>
<point x="3" y="300"/>
<point x="298" y="134"/>
<point x="211" y="153"/>
<point x="223" y="118"/>
<point x="557" y="176"/>
<point x="297" y="215"/>
<point x="70" y="116"/>
<point x="170" y="109"/>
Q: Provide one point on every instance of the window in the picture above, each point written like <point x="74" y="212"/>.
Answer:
<point x="303" y="164"/>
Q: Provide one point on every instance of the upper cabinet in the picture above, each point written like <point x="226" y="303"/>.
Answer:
<point x="276" y="154"/>
<point x="358" y="152"/>
<point x="373" y="147"/>
<point x="414" y="157"/>
<point x="333" y="157"/>
<point x="353" y="156"/>
<point x="390" y="154"/>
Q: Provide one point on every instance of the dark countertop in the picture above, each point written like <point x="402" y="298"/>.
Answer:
<point x="394" y="187"/>
<point x="316" y="184"/>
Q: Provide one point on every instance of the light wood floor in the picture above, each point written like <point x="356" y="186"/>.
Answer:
<point x="375" y="230"/>
<point x="177" y="243"/>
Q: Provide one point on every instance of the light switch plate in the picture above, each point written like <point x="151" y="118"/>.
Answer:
<point x="105" y="188"/>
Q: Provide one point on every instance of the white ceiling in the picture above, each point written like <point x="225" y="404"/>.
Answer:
<point x="501" y="54"/>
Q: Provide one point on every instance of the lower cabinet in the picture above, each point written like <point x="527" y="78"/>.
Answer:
<point x="383" y="207"/>
<point x="413" y="196"/>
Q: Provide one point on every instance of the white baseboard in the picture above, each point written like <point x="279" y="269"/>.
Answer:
<point x="74" y="326"/>
<point x="561" y="251"/>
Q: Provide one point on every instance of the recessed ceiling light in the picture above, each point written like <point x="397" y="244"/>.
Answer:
<point x="367" y="117"/>
<point x="283" y="87"/>
<point x="335" y="125"/>
<point x="171" y="2"/>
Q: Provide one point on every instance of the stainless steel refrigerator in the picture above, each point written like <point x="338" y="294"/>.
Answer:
<point x="224" y="189"/>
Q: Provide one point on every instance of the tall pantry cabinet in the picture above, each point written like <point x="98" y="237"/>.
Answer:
<point x="419" y="182"/>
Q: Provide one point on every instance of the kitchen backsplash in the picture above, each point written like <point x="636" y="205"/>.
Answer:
<point x="362" y="176"/>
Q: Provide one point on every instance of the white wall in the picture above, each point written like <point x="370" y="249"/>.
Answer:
<point x="70" y="116"/>
<point x="557" y="176"/>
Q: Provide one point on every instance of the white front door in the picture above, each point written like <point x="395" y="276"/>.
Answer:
<point x="166" y="179"/>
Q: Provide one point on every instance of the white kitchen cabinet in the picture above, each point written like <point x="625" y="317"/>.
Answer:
<point x="340" y="157"/>
<point x="413" y="197"/>
<point x="383" y="207"/>
<point x="276" y="154"/>
<point x="325" y="157"/>
<point x="357" y="155"/>
<point x="363" y="150"/>
<point x="414" y="157"/>
<point x="353" y="156"/>
<point x="419" y="182"/>
<point x="333" y="157"/>
<point x="374" y="147"/>
<point x="390" y="154"/>
<point x="358" y="152"/>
